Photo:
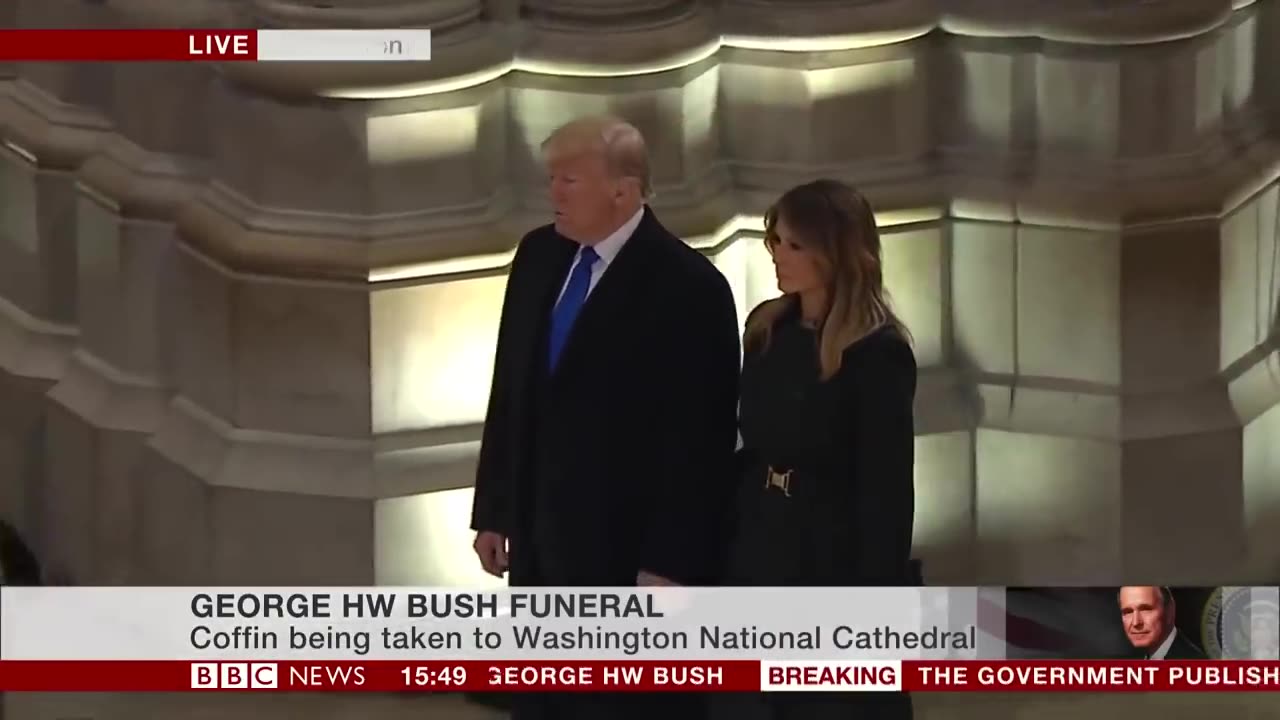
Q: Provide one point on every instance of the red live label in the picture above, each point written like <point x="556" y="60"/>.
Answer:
<point x="219" y="45"/>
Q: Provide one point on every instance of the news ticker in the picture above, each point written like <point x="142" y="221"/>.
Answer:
<point x="298" y="45"/>
<point x="600" y="624"/>
<point x="648" y="676"/>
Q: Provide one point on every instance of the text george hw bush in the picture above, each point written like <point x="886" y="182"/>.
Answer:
<point x="460" y="606"/>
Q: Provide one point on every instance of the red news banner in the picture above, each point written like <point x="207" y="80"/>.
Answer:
<point x="640" y="676"/>
<point x="128" y="45"/>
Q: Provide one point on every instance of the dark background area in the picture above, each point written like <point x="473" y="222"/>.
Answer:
<point x="1191" y="604"/>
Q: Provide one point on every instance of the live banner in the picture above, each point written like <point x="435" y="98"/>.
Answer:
<point x="292" y="45"/>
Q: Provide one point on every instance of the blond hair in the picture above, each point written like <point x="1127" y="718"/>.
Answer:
<point x="836" y="223"/>
<point x="616" y="140"/>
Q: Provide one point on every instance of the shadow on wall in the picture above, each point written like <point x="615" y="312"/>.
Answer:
<point x="1264" y="562"/>
<point x="18" y="564"/>
<point x="1267" y="57"/>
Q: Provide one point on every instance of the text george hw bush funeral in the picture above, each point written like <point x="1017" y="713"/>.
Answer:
<point x="581" y="640"/>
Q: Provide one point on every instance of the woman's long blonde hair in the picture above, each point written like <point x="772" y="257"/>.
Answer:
<point x="836" y="223"/>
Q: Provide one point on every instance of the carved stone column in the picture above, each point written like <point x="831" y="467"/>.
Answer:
<point x="595" y="37"/>
<point x="287" y="281"/>
<point x="1267" y="59"/>
<point x="37" y="331"/>
<point x="1112" y="252"/>
<point x="1110" y="22"/>
<point x="1251" y="319"/>
<point x="442" y="16"/>
<point x="503" y="11"/>
<point x="42" y="140"/>
<point x="651" y="61"/>
<point x="85" y="85"/>
<point x="1249" y="355"/>
<point x="841" y="25"/>
<point x="114" y="393"/>
<point x="828" y="85"/>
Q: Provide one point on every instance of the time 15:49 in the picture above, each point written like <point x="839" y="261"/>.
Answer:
<point x="425" y="676"/>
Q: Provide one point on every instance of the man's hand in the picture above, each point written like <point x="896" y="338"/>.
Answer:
<point x="648" y="579"/>
<point x="491" y="548"/>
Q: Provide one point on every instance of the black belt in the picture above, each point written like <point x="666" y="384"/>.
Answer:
<point x="782" y="477"/>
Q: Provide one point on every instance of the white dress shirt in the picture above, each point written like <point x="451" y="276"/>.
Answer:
<point x="607" y="249"/>
<point x="1164" y="646"/>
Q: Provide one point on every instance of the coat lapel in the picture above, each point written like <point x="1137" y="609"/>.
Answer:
<point x="536" y="300"/>
<point x="559" y="264"/>
<point x="616" y="288"/>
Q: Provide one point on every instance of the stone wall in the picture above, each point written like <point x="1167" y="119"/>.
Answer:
<point x="247" y="313"/>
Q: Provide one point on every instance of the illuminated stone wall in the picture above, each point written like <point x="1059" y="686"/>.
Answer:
<point x="247" y="314"/>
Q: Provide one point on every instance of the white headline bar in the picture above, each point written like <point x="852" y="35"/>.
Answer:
<point x="803" y="625"/>
<point x="260" y="624"/>
<point x="344" y="45"/>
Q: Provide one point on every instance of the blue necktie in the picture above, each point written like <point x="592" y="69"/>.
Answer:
<point x="571" y="302"/>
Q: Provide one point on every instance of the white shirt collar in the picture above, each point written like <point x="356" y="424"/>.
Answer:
<point x="609" y="247"/>
<point x="1164" y="646"/>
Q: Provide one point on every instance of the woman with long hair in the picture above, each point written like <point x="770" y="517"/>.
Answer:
<point x="826" y="496"/>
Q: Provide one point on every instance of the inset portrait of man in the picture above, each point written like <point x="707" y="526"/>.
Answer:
<point x="1150" y="622"/>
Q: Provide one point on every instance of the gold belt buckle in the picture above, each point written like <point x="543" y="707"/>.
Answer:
<point x="782" y="481"/>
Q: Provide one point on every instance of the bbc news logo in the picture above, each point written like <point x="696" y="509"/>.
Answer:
<point x="232" y="676"/>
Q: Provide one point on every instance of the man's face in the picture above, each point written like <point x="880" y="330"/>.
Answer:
<point x="584" y="196"/>
<point x="1146" y="620"/>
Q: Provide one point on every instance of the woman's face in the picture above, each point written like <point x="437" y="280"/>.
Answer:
<point x="796" y="266"/>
